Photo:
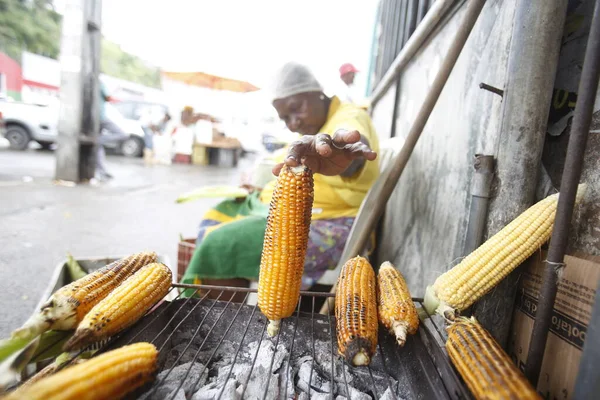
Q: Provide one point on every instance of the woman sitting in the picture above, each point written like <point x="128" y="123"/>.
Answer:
<point x="339" y="144"/>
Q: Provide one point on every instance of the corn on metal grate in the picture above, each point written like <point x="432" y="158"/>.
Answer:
<point x="209" y="323"/>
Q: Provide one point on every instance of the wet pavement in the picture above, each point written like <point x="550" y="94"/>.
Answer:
<point x="40" y="221"/>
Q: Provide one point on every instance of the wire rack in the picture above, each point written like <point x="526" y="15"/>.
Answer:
<point x="211" y="315"/>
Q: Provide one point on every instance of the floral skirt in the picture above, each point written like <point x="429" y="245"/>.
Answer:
<point x="229" y="243"/>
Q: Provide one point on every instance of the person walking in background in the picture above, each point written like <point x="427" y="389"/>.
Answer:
<point x="101" y="171"/>
<point x="153" y="122"/>
<point x="109" y="131"/>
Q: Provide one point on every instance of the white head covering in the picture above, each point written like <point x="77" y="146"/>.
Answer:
<point x="293" y="78"/>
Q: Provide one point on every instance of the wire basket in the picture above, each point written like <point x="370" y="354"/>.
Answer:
<point x="185" y="251"/>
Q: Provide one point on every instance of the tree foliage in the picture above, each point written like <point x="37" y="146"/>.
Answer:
<point x="35" y="26"/>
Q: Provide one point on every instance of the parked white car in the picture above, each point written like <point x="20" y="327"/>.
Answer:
<point x="30" y="122"/>
<point x="26" y="122"/>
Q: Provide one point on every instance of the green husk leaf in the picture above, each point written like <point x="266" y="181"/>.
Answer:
<point x="10" y="346"/>
<point x="75" y="270"/>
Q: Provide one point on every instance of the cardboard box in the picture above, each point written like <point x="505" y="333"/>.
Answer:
<point x="570" y="318"/>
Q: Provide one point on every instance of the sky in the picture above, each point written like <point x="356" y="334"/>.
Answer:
<point x="245" y="40"/>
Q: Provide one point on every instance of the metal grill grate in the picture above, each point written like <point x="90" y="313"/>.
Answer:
<point x="204" y="324"/>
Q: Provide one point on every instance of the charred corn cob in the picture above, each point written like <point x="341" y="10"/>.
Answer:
<point x="356" y="311"/>
<point x="285" y="244"/>
<point x="67" y="307"/>
<point x="458" y="288"/>
<point x="397" y="312"/>
<point x="108" y="376"/>
<point x="52" y="368"/>
<point x="487" y="370"/>
<point x="123" y="306"/>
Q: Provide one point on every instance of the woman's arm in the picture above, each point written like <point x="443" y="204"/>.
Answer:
<point x="343" y="154"/>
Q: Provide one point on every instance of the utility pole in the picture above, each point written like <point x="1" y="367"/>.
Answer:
<point x="79" y="123"/>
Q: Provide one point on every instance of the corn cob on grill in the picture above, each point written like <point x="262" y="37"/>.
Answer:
<point x="397" y="312"/>
<point x="67" y="307"/>
<point x="285" y="244"/>
<point x="487" y="370"/>
<point x="124" y="306"/>
<point x="108" y="376"/>
<point x="356" y="311"/>
<point x="458" y="288"/>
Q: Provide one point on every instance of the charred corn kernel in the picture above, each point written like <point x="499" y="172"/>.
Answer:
<point x="67" y="307"/>
<point x="285" y="244"/>
<point x="356" y="311"/>
<point x="487" y="370"/>
<point x="124" y="306"/>
<point x="458" y="288"/>
<point x="108" y="376"/>
<point x="50" y="369"/>
<point x="397" y="312"/>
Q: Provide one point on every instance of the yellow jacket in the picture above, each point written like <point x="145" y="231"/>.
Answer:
<point x="337" y="196"/>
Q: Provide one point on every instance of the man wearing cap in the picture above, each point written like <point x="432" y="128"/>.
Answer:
<point x="348" y="89"/>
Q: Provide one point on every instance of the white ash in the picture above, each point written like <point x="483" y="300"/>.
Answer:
<point x="213" y="390"/>
<point x="179" y="372"/>
<point x="172" y="381"/>
<point x="388" y="395"/>
<point x="295" y="376"/>
<point x="318" y="384"/>
<point x="164" y="391"/>
<point x="179" y="396"/>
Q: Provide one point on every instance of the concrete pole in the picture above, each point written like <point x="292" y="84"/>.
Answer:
<point x="532" y="65"/>
<point x="78" y="123"/>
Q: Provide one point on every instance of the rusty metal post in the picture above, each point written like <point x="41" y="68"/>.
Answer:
<point x="533" y="59"/>
<point x="480" y="198"/>
<point x="588" y="86"/>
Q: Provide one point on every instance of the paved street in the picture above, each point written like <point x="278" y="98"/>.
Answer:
<point x="41" y="221"/>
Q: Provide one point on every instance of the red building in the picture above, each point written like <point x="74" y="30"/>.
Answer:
<point x="11" y="77"/>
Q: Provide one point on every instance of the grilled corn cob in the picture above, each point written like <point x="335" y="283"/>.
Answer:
<point x="108" y="376"/>
<point x="356" y="311"/>
<point x="397" y="312"/>
<point x="458" y="288"/>
<point x="67" y="307"/>
<point x="487" y="370"/>
<point x="285" y="244"/>
<point x="123" y="306"/>
<point x="52" y="368"/>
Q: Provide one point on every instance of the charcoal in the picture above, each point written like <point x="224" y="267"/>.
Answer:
<point x="186" y="357"/>
<point x="257" y="384"/>
<point x="265" y="354"/>
<point x="318" y="384"/>
<point x="279" y="366"/>
<point x="179" y="396"/>
<point x="212" y="391"/>
<point x="356" y="394"/>
<point x="179" y="372"/>
<point x="164" y="391"/>
<point x="389" y="395"/>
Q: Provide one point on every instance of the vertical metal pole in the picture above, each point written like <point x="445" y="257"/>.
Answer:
<point x="533" y="59"/>
<point x="588" y="86"/>
<point x="79" y="92"/>
<point x="480" y="197"/>
<point x="587" y="385"/>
